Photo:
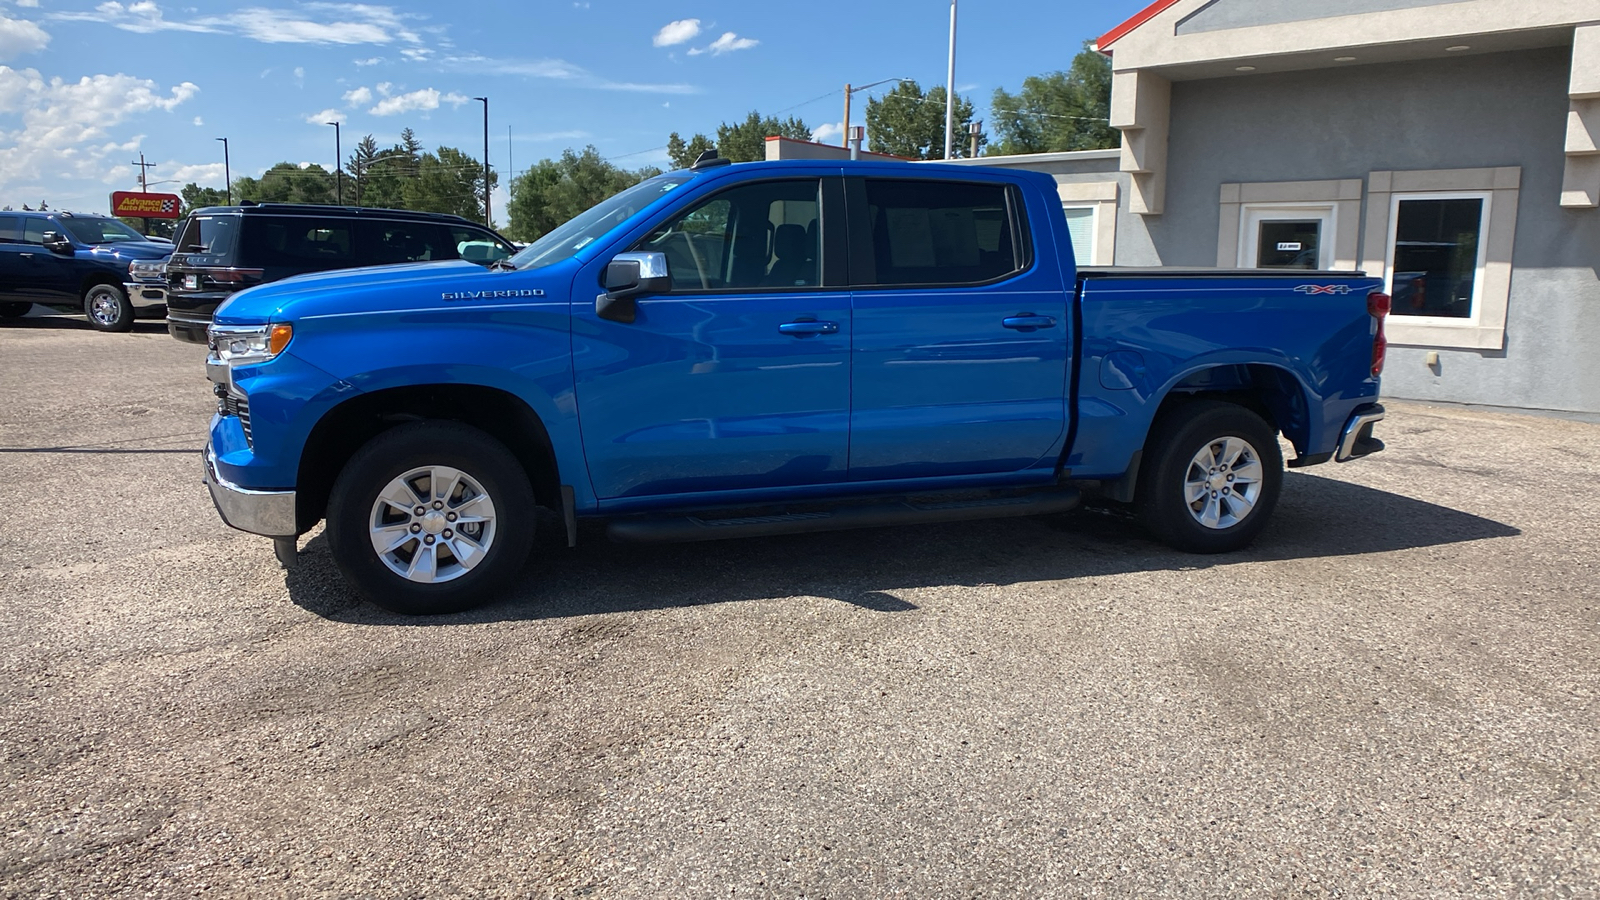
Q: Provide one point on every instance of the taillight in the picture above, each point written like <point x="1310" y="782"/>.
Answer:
<point x="1378" y="304"/>
<point x="233" y="276"/>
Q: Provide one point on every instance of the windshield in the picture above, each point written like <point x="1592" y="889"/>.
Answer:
<point x="592" y="224"/>
<point x="99" y="231"/>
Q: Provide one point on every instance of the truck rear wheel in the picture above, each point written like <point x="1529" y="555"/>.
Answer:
<point x="1210" y="478"/>
<point x="431" y="518"/>
<point x="108" y="308"/>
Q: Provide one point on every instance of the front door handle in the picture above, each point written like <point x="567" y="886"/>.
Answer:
<point x="808" y="328"/>
<point x="1029" y="322"/>
<point x="26" y="255"/>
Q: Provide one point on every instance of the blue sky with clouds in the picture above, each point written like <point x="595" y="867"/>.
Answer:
<point x="85" y="87"/>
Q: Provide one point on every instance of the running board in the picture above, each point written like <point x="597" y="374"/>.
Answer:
<point x="664" y="529"/>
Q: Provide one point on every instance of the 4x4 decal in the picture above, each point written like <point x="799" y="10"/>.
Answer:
<point x="1323" y="289"/>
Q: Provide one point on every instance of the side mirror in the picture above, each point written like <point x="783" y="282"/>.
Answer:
<point x="629" y="276"/>
<point x="56" y="242"/>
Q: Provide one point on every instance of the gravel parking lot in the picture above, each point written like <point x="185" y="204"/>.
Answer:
<point x="1393" y="693"/>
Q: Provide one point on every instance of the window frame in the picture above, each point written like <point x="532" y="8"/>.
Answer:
<point x="1249" y="239"/>
<point x="863" y="261"/>
<point x="1479" y="265"/>
<point x="1094" y="229"/>
<point x="830" y="248"/>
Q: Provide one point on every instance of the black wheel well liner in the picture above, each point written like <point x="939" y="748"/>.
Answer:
<point x="347" y="427"/>
<point x="98" y="276"/>
<point x="1270" y="392"/>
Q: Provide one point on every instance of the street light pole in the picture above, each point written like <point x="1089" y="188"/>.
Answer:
<point x="338" y="165"/>
<point x="950" y="85"/>
<point x="485" y="102"/>
<point x="227" y="174"/>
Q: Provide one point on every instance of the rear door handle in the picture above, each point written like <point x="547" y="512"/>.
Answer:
<point x="808" y="328"/>
<point x="1029" y="322"/>
<point x="26" y="255"/>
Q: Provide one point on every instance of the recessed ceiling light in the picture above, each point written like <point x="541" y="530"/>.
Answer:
<point x="1457" y="47"/>
<point x="1344" y="59"/>
<point x="1244" y="68"/>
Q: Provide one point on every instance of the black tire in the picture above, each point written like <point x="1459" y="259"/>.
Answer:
<point x="14" y="310"/>
<point x="1162" y="494"/>
<point x="352" y="511"/>
<point x="107" y="307"/>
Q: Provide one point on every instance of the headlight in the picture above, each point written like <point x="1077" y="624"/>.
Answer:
<point x="146" y="269"/>
<point x="242" y="344"/>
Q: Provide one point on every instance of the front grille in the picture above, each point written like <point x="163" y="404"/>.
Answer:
<point x="232" y="405"/>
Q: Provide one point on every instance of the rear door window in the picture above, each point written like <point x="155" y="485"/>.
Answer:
<point x="303" y="244"/>
<point x="385" y="243"/>
<point x="10" y="229"/>
<point x="940" y="232"/>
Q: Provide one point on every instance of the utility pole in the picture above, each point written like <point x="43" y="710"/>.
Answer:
<point x="338" y="165"/>
<point x="511" y="164"/>
<point x="143" y="168"/>
<point x="485" y="102"/>
<point x="950" y="85"/>
<point x="844" y="135"/>
<point x="227" y="174"/>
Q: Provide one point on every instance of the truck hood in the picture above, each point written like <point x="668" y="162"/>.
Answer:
<point x="403" y="287"/>
<point x="127" y="251"/>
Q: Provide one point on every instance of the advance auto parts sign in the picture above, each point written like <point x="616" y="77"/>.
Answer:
<point x="135" y="205"/>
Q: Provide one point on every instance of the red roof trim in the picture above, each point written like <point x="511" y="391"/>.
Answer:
<point x="1139" y="18"/>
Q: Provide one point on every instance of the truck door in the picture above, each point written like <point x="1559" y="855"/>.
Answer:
<point x="960" y="337"/>
<point x="737" y="378"/>
<point x="35" y="272"/>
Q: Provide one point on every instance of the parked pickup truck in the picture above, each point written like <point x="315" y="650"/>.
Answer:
<point x="772" y="348"/>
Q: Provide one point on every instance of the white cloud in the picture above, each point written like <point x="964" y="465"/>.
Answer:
<point x="828" y="133"/>
<point x="198" y="121"/>
<point x="725" y="44"/>
<point x="369" y="61"/>
<point x="19" y="36"/>
<point x="361" y="96"/>
<point x="677" y="32"/>
<point x="202" y="173"/>
<point x="312" y="23"/>
<point x="425" y="99"/>
<point x="300" y="75"/>
<point x="28" y="3"/>
<point x="328" y="115"/>
<point x="66" y="126"/>
<point x="384" y="87"/>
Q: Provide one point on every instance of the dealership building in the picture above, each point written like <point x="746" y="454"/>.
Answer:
<point x="1452" y="148"/>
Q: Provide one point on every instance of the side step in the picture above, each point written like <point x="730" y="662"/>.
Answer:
<point x="903" y="511"/>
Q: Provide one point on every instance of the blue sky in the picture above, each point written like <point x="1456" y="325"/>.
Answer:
<point x="85" y="87"/>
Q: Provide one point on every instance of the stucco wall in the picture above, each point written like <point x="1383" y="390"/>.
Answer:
<point x="1489" y="110"/>
<point x="1223" y="14"/>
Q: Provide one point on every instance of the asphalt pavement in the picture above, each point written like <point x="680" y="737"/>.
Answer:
<point x="1393" y="693"/>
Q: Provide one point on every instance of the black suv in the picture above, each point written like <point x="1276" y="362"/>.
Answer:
<point x="78" y="262"/>
<point x="224" y="249"/>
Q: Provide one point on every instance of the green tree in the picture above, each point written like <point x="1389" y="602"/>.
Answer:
<point x="684" y="153"/>
<point x="194" y="197"/>
<point x="287" y="183"/>
<point x="908" y="122"/>
<point x="448" y="181"/>
<point x="554" y="190"/>
<point x="1059" y="111"/>
<point x="740" y="141"/>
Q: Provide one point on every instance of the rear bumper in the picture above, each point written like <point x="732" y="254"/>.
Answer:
<point x="1356" y="440"/>
<point x="187" y="326"/>
<point x="269" y="513"/>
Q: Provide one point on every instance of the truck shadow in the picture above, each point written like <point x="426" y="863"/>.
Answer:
<point x="70" y="322"/>
<point x="1317" y="517"/>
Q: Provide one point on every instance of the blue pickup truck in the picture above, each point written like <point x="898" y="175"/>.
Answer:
<point x="773" y="348"/>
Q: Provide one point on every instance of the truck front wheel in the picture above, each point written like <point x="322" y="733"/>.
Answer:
<point x="431" y="518"/>
<point x="108" y="308"/>
<point x="1210" y="478"/>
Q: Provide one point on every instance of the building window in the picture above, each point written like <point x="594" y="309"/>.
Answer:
<point x="1442" y="240"/>
<point x="1081" y="228"/>
<point x="1286" y="237"/>
<point x="1436" y="252"/>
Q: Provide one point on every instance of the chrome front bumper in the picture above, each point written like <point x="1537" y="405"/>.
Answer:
<point x="145" y="295"/>
<point x="1356" y="440"/>
<point x="268" y="513"/>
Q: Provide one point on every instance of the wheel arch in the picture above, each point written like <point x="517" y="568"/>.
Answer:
<point x="345" y="428"/>
<point x="1270" y="390"/>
